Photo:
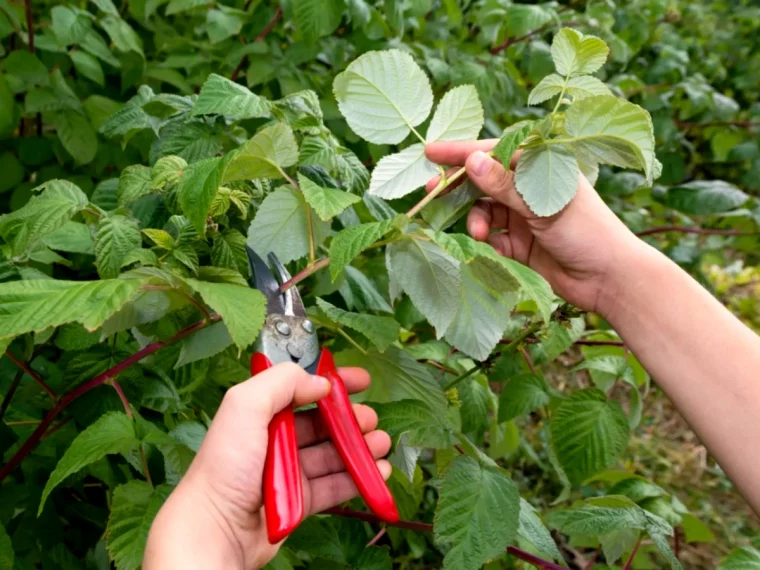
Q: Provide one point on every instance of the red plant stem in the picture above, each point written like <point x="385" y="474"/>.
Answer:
<point x="528" y="360"/>
<point x="599" y="343"/>
<point x="25" y="367"/>
<point x="9" y="394"/>
<point x="29" y="24"/>
<point x="512" y="41"/>
<point x="85" y="387"/>
<point x="275" y="18"/>
<point x="685" y="230"/>
<point x="304" y="273"/>
<point x="123" y="398"/>
<point x="633" y="554"/>
<point x="377" y="537"/>
<point x="427" y="527"/>
<point x="677" y="542"/>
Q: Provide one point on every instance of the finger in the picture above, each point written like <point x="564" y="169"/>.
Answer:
<point x="310" y="428"/>
<point x="433" y="182"/>
<point x="262" y="396"/>
<point x="332" y="490"/>
<point x="491" y="177"/>
<point x="455" y="153"/>
<point x="355" y="379"/>
<point x="323" y="459"/>
<point x="479" y="220"/>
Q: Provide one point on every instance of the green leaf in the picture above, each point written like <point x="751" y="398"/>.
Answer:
<point x="398" y="174"/>
<point x="395" y="376"/>
<point x="197" y="190"/>
<point x="106" y="6"/>
<point x="88" y="66"/>
<point x="607" y="130"/>
<point x="430" y="276"/>
<point x="445" y="211"/>
<point x="547" y="178"/>
<point x="382" y="95"/>
<point x="69" y="25"/>
<point x="42" y="215"/>
<point x="458" y="117"/>
<point x="205" y="343"/>
<point x="477" y="515"/>
<point x="423" y="427"/>
<point x="327" y="202"/>
<point x="243" y="309"/>
<point x="161" y="238"/>
<point x="533" y="530"/>
<point x="702" y="197"/>
<point x="115" y="237"/>
<point x="265" y="155"/>
<point x="282" y="226"/>
<point x="6" y="550"/>
<point x="177" y="6"/>
<point x="124" y="38"/>
<point x="72" y="237"/>
<point x="381" y="331"/>
<point x="222" y="25"/>
<point x="76" y="135"/>
<point x="220" y="96"/>
<point x="577" y="87"/>
<point x="228" y="250"/>
<point x="577" y="54"/>
<point x="167" y="171"/>
<point x="317" y="18"/>
<point x="135" y="505"/>
<point x="522" y="395"/>
<point x="131" y="118"/>
<point x="34" y="305"/>
<point x="588" y="434"/>
<point x="550" y="86"/>
<point x="27" y="67"/>
<point x="112" y="433"/>
<point x="510" y="140"/>
<point x="7" y="105"/>
<point x="350" y="242"/>
<point x="481" y="318"/>
<point x="744" y="558"/>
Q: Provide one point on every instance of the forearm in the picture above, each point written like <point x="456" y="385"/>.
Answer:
<point x="703" y="358"/>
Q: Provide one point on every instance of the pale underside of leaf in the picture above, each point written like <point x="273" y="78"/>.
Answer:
<point x="547" y="178"/>
<point x="398" y="174"/>
<point x="458" y="117"/>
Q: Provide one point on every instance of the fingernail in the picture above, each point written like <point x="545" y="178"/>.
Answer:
<point x="480" y="163"/>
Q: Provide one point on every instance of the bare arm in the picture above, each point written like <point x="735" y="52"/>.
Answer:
<point x="706" y="360"/>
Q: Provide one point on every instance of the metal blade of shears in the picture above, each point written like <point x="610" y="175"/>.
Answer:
<point x="293" y="302"/>
<point x="263" y="280"/>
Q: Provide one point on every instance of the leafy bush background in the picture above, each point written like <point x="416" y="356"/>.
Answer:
<point x="103" y="99"/>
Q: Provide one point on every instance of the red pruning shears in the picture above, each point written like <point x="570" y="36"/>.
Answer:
<point x="288" y="336"/>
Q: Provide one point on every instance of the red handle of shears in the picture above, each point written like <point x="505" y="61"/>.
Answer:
<point x="283" y="486"/>
<point x="338" y="415"/>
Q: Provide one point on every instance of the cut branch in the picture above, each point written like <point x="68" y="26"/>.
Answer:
<point x="427" y="527"/>
<point x="599" y="343"/>
<point x="25" y="367"/>
<point x="264" y="33"/>
<point x="701" y="231"/>
<point x="512" y="41"/>
<point x="85" y="387"/>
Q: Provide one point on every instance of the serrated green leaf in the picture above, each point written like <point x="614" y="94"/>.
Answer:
<point x="34" y="305"/>
<point x="243" y="309"/>
<point x="220" y="96"/>
<point x="135" y="505"/>
<point x="417" y="421"/>
<point x="550" y="86"/>
<point x="445" y="211"/>
<point x="114" y="238"/>
<point x="161" y="238"/>
<point x="395" y="376"/>
<point x="350" y="242"/>
<point x="198" y="188"/>
<point x="88" y="66"/>
<point x="124" y="38"/>
<point x="481" y="318"/>
<point x="134" y="182"/>
<point x="326" y="202"/>
<point x="228" y="250"/>
<point x="510" y="140"/>
<point x="458" y="117"/>
<point x="360" y="293"/>
<point x="547" y="178"/>
<point x="381" y="331"/>
<point x="167" y="171"/>
<point x="702" y="197"/>
<point x="398" y="174"/>
<point x="221" y="25"/>
<point x="577" y="54"/>
<point x="430" y="276"/>
<point x="588" y="434"/>
<point x="112" y="433"/>
<point x="281" y="226"/>
<point x="131" y="118"/>
<point x="744" y="558"/>
<point x="534" y="531"/>
<point x="523" y="394"/>
<point x="317" y="18"/>
<point x="477" y="514"/>
<point x="269" y="151"/>
<point x="205" y="343"/>
<point x="392" y="86"/>
<point x="72" y="237"/>
<point x="586" y="86"/>
<point x="77" y="136"/>
<point x="607" y="130"/>
<point x="42" y="215"/>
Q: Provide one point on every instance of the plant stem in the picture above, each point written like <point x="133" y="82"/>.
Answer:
<point x="11" y="390"/>
<point x="23" y="423"/>
<point x="599" y="343"/>
<point x="528" y="360"/>
<point x="310" y="224"/>
<point x="427" y="527"/>
<point x="85" y="387"/>
<point x="444" y="183"/>
<point x="462" y="377"/>
<point x="515" y="342"/>
<point x="277" y="15"/>
<point x="703" y="231"/>
<point x="356" y="345"/>
<point x="25" y="367"/>
<point x="377" y="537"/>
<point x="123" y="398"/>
<point x="629" y="562"/>
<point x="512" y="41"/>
<point x="304" y="273"/>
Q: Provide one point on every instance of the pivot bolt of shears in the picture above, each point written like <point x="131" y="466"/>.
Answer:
<point x="308" y="326"/>
<point x="283" y="328"/>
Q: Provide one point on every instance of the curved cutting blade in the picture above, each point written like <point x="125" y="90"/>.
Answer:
<point x="263" y="280"/>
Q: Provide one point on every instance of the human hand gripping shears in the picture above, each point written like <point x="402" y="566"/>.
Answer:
<point x="289" y="336"/>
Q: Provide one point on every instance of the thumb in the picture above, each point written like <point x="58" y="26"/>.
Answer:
<point x="492" y="178"/>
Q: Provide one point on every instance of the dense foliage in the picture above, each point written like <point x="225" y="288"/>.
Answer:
<point x="143" y="143"/>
